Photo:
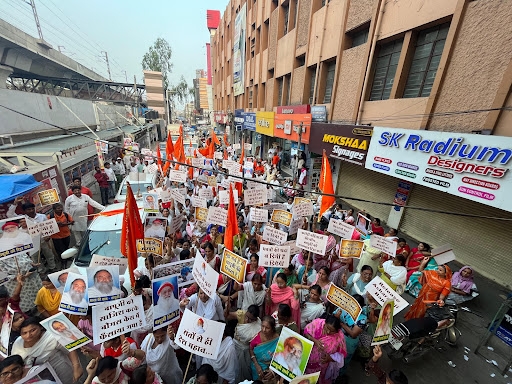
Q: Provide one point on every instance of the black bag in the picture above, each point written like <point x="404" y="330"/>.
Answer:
<point x="439" y="313"/>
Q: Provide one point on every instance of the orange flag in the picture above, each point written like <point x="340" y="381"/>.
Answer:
<point x="226" y="140"/>
<point x="190" y="170"/>
<point x="242" y="156"/>
<point x="225" y="155"/>
<point x="158" y="156"/>
<point x="177" y="148"/>
<point x="232" y="225"/>
<point x="211" y="149"/>
<point x="169" y="147"/>
<point x="132" y="231"/>
<point x="325" y="186"/>
<point x="215" y="138"/>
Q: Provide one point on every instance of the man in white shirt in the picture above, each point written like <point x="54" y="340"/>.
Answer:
<point x="119" y="170"/>
<point x="111" y="180"/>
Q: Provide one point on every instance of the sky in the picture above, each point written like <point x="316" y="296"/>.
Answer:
<point x="123" y="28"/>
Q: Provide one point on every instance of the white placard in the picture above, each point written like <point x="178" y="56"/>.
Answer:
<point x="218" y="155"/>
<point x="217" y="215"/>
<point x="117" y="318"/>
<point x="274" y="256"/>
<point x="382" y="292"/>
<point x="295" y="225"/>
<point x="443" y="254"/>
<point x="200" y="336"/>
<point x="236" y="146"/>
<point x="293" y="247"/>
<point x="271" y="195"/>
<point x="103" y="261"/>
<point x="228" y="163"/>
<point x="255" y="185"/>
<point x="65" y="332"/>
<point x="247" y="146"/>
<point x="205" y="276"/>
<point x="44" y="228"/>
<point x="274" y="236"/>
<point x="176" y="223"/>
<point x="258" y="215"/>
<point x="224" y="196"/>
<point x="383" y="244"/>
<point x="340" y="228"/>
<point x="311" y="241"/>
<point x="177" y="196"/>
<point x="255" y="196"/>
<point x="165" y="195"/>
<point x="226" y="183"/>
<point x="235" y="170"/>
<point x="152" y="168"/>
<point x="207" y="193"/>
<point x="303" y="209"/>
<point x="178" y="176"/>
<point x="197" y="162"/>
<point x="199" y="201"/>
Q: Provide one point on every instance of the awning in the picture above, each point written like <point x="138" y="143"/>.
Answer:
<point x="16" y="185"/>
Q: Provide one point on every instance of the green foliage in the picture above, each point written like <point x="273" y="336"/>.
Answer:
<point x="158" y="58"/>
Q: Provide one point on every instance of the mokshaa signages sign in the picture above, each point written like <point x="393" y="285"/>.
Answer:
<point x="475" y="167"/>
<point x="342" y="142"/>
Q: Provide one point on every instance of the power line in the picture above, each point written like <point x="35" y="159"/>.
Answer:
<point x="69" y="132"/>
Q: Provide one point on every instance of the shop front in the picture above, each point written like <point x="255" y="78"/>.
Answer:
<point x="290" y="129"/>
<point x="452" y="175"/>
<point x="265" y="128"/>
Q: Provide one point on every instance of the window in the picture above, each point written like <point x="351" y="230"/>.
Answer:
<point x="385" y="69"/>
<point x="329" y="81"/>
<point x="312" y="78"/>
<point x="279" y="90"/>
<point x="359" y="38"/>
<point x="288" y="89"/>
<point x="286" y="11"/>
<point x="325" y="2"/>
<point x="300" y="61"/>
<point x="429" y="48"/>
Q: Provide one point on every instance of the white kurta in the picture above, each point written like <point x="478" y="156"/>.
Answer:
<point x="226" y="363"/>
<point x="77" y="207"/>
<point x="162" y="359"/>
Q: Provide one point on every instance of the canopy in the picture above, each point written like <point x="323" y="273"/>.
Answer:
<point x="16" y="185"/>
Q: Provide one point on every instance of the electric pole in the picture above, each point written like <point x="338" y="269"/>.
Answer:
<point x="126" y="76"/>
<point x="34" y="11"/>
<point x="108" y="65"/>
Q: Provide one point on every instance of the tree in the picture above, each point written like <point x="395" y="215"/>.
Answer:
<point x="158" y="58"/>
<point x="180" y="92"/>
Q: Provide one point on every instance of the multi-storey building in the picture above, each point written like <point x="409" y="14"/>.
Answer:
<point x="438" y="73"/>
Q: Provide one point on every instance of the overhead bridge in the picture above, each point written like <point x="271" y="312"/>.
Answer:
<point x="78" y="88"/>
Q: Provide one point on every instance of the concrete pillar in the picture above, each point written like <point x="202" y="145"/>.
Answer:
<point x="5" y="72"/>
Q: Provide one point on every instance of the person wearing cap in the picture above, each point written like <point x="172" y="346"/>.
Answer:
<point x="166" y="302"/>
<point x="156" y="229"/>
<point x="13" y="237"/>
<point x="102" y="179"/>
<point x="111" y="180"/>
<point x="119" y="170"/>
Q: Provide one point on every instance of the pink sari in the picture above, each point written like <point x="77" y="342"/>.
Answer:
<point x="334" y="345"/>
<point x="283" y="296"/>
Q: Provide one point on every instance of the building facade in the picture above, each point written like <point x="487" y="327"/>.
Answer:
<point x="436" y="65"/>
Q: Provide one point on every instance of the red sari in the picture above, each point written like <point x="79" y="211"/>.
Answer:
<point x="414" y="261"/>
<point x="433" y="287"/>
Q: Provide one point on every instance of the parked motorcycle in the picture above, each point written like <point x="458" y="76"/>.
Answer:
<point x="414" y="338"/>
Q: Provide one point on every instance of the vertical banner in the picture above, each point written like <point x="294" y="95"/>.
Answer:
<point x="239" y="51"/>
<point x="99" y="151"/>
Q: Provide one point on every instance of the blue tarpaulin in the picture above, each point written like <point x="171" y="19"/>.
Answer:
<point x="16" y="185"/>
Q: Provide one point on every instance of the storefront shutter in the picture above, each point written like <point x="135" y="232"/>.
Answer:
<point x="356" y="181"/>
<point x="481" y="243"/>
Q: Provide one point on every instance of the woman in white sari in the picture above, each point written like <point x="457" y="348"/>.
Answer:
<point x="226" y="363"/>
<point x="160" y="356"/>
<point x="245" y="331"/>
<point x="313" y="307"/>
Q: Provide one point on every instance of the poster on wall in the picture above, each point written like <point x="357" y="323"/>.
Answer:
<point x="239" y="51"/>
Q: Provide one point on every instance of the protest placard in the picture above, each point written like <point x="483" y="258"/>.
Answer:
<point x="255" y="185"/>
<point x="59" y="278"/>
<point x="351" y="248"/>
<point x="206" y="193"/>
<point x="150" y="245"/>
<point x="176" y="223"/>
<point x="383" y="244"/>
<point x="6" y="331"/>
<point x="199" y="336"/>
<point x="48" y="197"/>
<point x="224" y="196"/>
<point x="256" y="196"/>
<point x="300" y="200"/>
<point x="311" y="241"/>
<point x="340" y="228"/>
<point x="384" y="324"/>
<point x="274" y="236"/>
<point x="218" y="155"/>
<point x="236" y="146"/>
<point x="177" y="196"/>
<point x="40" y="374"/>
<point x="182" y="269"/>
<point x="343" y="300"/>
<point x="311" y="378"/>
<point x="152" y="168"/>
<point x="44" y="228"/>
<point x="197" y="162"/>
<point x="166" y="196"/>
<point x="282" y="217"/>
<point x="258" y="215"/>
<point x="65" y="332"/>
<point x="212" y="181"/>
<point x="228" y="164"/>
<point x="295" y="225"/>
<point x="117" y="318"/>
<point x="102" y="261"/>
<point x="273" y="206"/>
<point x="443" y="254"/>
<point x="199" y="202"/>
<point x="233" y="266"/>
<point x="217" y="215"/>
<point x="303" y="209"/>
<point x="4" y="278"/>
<point x="202" y="214"/>
<point x="155" y="226"/>
<point x="74" y="297"/>
<point x="226" y="183"/>
<point x="104" y="285"/>
<point x="291" y="355"/>
<point x="13" y="240"/>
<point x="382" y="292"/>
<point x="271" y="195"/>
<point x="363" y="225"/>
<point x="293" y="247"/>
<point x="166" y="306"/>
<point x="150" y="202"/>
<point x="235" y="171"/>
<point x="177" y="176"/>
<point x="205" y="276"/>
<point x="274" y="256"/>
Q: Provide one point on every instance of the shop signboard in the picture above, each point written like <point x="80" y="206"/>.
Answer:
<point x="473" y="167"/>
<point x="265" y="123"/>
<point x="250" y="121"/>
<point x="319" y="113"/>
<point x="287" y="126"/>
<point x="238" y="119"/>
<point x="220" y="117"/>
<point x="342" y="142"/>
<point x="291" y="109"/>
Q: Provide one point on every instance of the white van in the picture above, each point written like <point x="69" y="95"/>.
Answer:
<point x="139" y="186"/>
<point x="103" y="237"/>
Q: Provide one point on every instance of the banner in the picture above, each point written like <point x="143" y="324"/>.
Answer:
<point x="150" y="245"/>
<point x="44" y="228"/>
<point x="274" y="236"/>
<point x="199" y="336"/>
<point x="281" y="217"/>
<point x="256" y="196"/>
<point x="205" y="276"/>
<point x="182" y="269"/>
<point x="258" y="215"/>
<point x="150" y="202"/>
<point x="384" y="324"/>
<point x="233" y="266"/>
<point x="303" y="209"/>
<point x="383" y="244"/>
<point x="48" y="197"/>
<point x="65" y="332"/>
<point x="202" y="214"/>
<point x="103" y="284"/>
<point x="103" y="261"/>
<point x="382" y="292"/>
<point x="178" y="176"/>
<point x="74" y="297"/>
<point x="340" y="228"/>
<point x="13" y="240"/>
<point x="351" y="248"/>
<point x="239" y="39"/>
<point x="291" y="355"/>
<point x="274" y="256"/>
<point x="166" y="306"/>
<point x="313" y="242"/>
<point x="217" y="215"/>
<point x="288" y="125"/>
<point x="117" y="318"/>
<point x="343" y="300"/>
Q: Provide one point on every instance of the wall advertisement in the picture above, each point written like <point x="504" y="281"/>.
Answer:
<point x="239" y="52"/>
<point x="286" y="126"/>
<point x="474" y="167"/>
<point x="265" y="123"/>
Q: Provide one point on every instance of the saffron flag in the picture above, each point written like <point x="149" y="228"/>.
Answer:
<point x="190" y="170"/>
<point x="242" y="156"/>
<point x="211" y="149"/>
<point x="158" y="156"/>
<point x="215" y="138"/>
<point x="325" y="186"/>
<point x="232" y="224"/>
<point x="226" y="142"/>
<point x="169" y="147"/>
<point x="132" y="231"/>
